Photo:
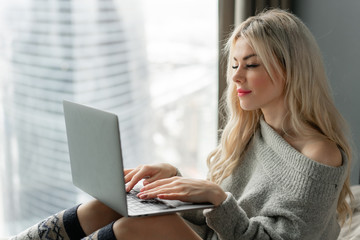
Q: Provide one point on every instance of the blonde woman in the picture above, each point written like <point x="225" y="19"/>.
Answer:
<point x="281" y="170"/>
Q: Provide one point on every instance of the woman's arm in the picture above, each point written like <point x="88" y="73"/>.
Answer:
<point x="230" y="221"/>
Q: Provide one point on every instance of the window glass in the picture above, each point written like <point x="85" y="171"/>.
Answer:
<point x="152" y="62"/>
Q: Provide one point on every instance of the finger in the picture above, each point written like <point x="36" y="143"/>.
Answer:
<point x="129" y="173"/>
<point x="159" y="183"/>
<point x="152" y="179"/>
<point x="154" y="193"/>
<point x="134" y="180"/>
<point x="139" y="175"/>
<point x="163" y="186"/>
<point x="172" y="196"/>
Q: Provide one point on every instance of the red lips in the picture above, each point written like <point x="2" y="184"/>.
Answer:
<point x="242" y="92"/>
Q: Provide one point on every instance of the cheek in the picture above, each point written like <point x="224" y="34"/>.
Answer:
<point x="261" y="83"/>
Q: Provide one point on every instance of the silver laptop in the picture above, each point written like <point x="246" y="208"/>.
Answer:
<point x="97" y="163"/>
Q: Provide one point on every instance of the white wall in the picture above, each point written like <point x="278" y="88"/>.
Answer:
<point x="336" y="26"/>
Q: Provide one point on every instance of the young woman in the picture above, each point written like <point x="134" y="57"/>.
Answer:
<point x="281" y="170"/>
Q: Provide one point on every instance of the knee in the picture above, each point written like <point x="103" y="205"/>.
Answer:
<point x="140" y="227"/>
<point x="154" y="227"/>
<point x="124" y="228"/>
<point x="95" y="215"/>
<point x="96" y="205"/>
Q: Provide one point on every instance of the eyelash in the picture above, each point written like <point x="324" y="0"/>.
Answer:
<point x="247" y="66"/>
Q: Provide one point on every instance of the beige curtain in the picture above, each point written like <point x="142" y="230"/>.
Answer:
<point x="231" y="13"/>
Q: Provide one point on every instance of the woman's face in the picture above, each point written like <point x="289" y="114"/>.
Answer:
<point x="254" y="86"/>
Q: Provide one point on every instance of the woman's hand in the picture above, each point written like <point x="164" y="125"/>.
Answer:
<point x="184" y="189"/>
<point x="150" y="172"/>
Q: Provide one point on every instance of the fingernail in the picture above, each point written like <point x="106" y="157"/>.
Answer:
<point x="143" y="196"/>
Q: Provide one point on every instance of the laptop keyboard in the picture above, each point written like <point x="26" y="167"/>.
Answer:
<point x="141" y="205"/>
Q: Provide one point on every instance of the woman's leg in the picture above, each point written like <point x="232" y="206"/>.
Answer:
<point x="162" y="227"/>
<point x="96" y="220"/>
<point x="95" y="215"/>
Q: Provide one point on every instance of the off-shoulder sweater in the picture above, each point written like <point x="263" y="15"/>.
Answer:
<point x="275" y="193"/>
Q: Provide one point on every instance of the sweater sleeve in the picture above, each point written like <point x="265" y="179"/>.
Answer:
<point x="230" y="222"/>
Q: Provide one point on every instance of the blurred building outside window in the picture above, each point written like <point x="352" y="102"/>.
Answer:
<point x="153" y="62"/>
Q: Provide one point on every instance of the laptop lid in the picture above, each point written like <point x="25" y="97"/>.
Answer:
<point x="95" y="154"/>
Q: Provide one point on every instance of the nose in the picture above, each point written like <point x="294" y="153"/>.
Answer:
<point x="238" y="75"/>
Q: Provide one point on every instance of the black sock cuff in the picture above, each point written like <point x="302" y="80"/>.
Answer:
<point x="107" y="232"/>
<point x="72" y="224"/>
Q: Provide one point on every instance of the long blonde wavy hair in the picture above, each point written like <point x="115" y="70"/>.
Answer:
<point x="287" y="48"/>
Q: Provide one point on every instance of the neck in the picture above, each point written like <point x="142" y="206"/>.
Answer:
<point x="278" y="121"/>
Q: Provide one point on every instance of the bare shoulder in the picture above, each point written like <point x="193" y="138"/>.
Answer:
<point x="323" y="151"/>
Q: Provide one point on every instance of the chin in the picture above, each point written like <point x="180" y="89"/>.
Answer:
<point x="249" y="109"/>
<point x="246" y="107"/>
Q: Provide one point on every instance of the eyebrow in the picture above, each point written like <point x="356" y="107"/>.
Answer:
<point x="248" y="56"/>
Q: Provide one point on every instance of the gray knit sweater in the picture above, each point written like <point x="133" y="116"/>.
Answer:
<point x="276" y="193"/>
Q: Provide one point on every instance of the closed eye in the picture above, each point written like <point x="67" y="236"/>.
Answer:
<point x="246" y="66"/>
<point x="252" y="65"/>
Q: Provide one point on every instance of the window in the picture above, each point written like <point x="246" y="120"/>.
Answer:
<point x="152" y="62"/>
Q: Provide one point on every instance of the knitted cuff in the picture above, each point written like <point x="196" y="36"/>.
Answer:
<point x="107" y="232"/>
<point x="72" y="224"/>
